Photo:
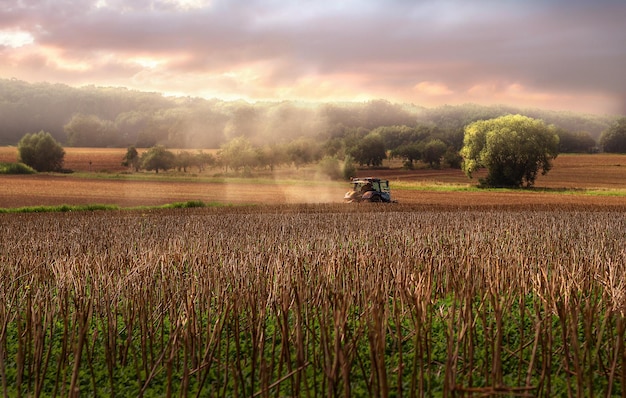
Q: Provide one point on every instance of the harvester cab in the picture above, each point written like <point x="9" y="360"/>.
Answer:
<point x="368" y="189"/>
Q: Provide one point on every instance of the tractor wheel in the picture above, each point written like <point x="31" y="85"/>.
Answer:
<point x="376" y="199"/>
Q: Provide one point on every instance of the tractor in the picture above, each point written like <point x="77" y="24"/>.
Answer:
<point x="368" y="189"/>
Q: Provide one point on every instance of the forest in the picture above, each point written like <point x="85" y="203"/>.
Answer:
<point x="117" y="117"/>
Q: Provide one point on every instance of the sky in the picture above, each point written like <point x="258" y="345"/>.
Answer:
<point x="552" y="54"/>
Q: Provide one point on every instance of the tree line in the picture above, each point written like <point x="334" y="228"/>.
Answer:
<point x="513" y="148"/>
<point x="116" y="117"/>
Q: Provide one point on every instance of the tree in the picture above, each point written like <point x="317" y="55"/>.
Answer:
<point x="90" y="131"/>
<point x="41" y="152"/>
<point x="349" y="169"/>
<point x="330" y="167"/>
<point x="303" y="151"/>
<point x="131" y="159"/>
<point x="184" y="160"/>
<point x="579" y="142"/>
<point x="272" y="155"/>
<point x="370" y="150"/>
<point x="613" y="139"/>
<point x="158" y="158"/>
<point x="433" y="151"/>
<point x="203" y="160"/>
<point x="409" y="152"/>
<point x="452" y="158"/>
<point x="238" y="153"/>
<point x="512" y="148"/>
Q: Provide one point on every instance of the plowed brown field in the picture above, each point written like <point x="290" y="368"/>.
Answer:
<point x="570" y="171"/>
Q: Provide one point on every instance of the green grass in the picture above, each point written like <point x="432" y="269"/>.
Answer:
<point x="606" y="192"/>
<point x="451" y="187"/>
<point x="58" y="208"/>
<point x="432" y="186"/>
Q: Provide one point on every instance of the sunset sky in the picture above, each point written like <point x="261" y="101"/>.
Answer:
<point x="554" y="54"/>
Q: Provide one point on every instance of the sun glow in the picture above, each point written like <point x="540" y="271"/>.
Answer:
<point x="432" y="88"/>
<point x="147" y="62"/>
<point x="189" y="4"/>
<point x="15" y="38"/>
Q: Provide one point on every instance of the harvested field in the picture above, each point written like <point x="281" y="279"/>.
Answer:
<point x="301" y="300"/>
<point x="19" y="191"/>
<point x="599" y="171"/>
<point x="54" y="190"/>
<point x="569" y="171"/>
<point x="478" y="293"/>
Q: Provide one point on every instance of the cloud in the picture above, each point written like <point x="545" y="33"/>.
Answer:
<point x="432" y="89"/>
<point x="402" y="50"/>
<point x="15" y="38"/>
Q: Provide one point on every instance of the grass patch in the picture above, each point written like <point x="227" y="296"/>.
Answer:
<point x="450" y="187"/>
<point x="432" y="186"/>
<point x="185" y="205"/>
<point x="59" y="208"/>
<point x="606" y="192"/>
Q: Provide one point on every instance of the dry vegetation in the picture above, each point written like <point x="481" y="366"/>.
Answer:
<point x="317" y="300"/>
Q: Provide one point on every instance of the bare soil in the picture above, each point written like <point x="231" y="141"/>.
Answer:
<point x="569" y="172"/>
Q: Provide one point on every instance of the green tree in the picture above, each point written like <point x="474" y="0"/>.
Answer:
<point x="432" y="152"/>
<point x="202" y="160"/>
<point x="396" y="136"/>
<point x="409" y="153"/>
<point x="184" y="160"/>
<point x="272" y="155"/>
<point x="369" y="151"/>
<point x="303" y="151"/>
<point x="579" y="142"/>
<point x="90" y="131"/>
<point x="41" y="152"/>
<point x="613" y="139"/>
<point x="512" y="148"/>
<point x="452" y="158"/>
<point x="131" y="159"/>
<point x="158" y="158"/>
<point x="238" y="153"/>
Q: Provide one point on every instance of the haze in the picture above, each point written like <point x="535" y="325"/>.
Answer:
<point x="562" y="55"/>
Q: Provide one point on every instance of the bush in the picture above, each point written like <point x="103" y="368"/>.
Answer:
<point x="330" y="167"/>
<point x="16" y="168"/>
<point x="41" y="152"/>
<point x="349" y="169"/>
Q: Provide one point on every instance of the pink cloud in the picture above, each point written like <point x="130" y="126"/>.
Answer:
<point x="432" y="51"/>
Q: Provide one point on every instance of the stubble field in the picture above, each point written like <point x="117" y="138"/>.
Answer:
<point x="314" y="300"/>
<point x="514" y="293"/>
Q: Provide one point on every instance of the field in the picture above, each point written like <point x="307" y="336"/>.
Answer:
<point x="575" y="179"/>
<point x="452" y="291"/>
<point x="314" y="300"/>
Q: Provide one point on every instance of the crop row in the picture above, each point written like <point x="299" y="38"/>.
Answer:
<point x="318" y="301"/>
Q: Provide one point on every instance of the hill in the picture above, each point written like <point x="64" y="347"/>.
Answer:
<point x="116" y="117"/>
